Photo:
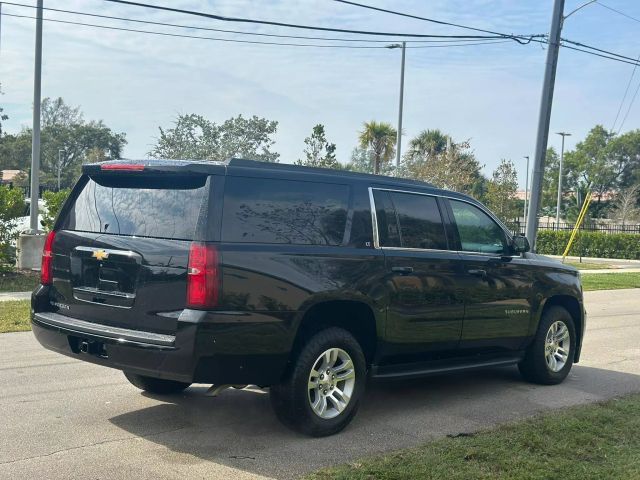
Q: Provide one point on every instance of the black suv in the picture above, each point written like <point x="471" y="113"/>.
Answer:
<point x="307" y="281"/>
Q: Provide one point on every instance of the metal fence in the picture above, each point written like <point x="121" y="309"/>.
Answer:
<point x="520" y="227"/>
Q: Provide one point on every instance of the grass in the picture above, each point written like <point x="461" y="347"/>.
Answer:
<point x="610" y="281"/>
<point x="18" y="281"/>
<point x="580" y="443"/>
<point x="14" y="316"/>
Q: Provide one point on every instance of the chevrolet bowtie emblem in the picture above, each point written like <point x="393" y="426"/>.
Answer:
<point x="100" y="255"/>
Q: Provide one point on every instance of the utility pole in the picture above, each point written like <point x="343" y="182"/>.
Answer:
<point x="526" y="190"/>
<point x="403" y="45"/>
<point x="35" y="141"/>
<point x="558" y="205"/>
<point x="544" y="118"/>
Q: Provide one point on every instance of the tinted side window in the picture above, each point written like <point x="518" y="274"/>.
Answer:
<point x="478" y="231"/>
<point x="284" y="211"/>
<point x="388" y="231"/>
<point x="141" y="206"/>
<point x="420" y="221"/>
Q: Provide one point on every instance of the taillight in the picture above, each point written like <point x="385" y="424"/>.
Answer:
<point x="202" y="276"/>
<point x="46" y="269"/>
<point x="136" y="167"/>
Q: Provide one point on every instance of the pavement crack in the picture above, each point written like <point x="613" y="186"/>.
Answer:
<point x="104" y="442"/>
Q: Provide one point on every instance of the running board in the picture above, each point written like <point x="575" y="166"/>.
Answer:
<point x="437" y="367"/>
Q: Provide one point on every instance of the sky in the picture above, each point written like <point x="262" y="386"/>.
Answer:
<point x="487" y="94"/>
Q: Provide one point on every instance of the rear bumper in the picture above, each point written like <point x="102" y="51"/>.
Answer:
<point x="218" y="348"/>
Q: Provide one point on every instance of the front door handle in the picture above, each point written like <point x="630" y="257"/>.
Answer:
<point x="477" y="272"/>
<point x="402" y="270"/>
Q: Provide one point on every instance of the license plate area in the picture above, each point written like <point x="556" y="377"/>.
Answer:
<point x="104" y="276"/>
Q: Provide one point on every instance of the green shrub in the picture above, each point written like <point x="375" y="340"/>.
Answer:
<point x="54" y="202"/>
<point x="590" y="244"/>
<point x="11" y="207"/>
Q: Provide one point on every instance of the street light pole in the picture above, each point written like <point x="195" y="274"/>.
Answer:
<point x="526" y="189"/>
<point x="558" y="204"/>
<point x="35" y="140"/>
<point x="59" y="165"/>
<point x="403" y="45"/>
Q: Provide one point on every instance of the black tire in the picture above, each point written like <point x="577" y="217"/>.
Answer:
<point x="534" y="366"/>
<point x="291" y="398"/>
<point x="155" y="385"/>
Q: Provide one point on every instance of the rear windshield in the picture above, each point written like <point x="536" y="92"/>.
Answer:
<point x="144" y="206"/>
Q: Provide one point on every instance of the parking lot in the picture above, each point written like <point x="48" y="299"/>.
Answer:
<point x="62" y="418"/>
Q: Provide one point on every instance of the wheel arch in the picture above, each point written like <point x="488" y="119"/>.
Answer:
<point x="355" y="316"/>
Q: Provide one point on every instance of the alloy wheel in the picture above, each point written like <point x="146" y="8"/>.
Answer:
<point x="331" y="383"/>
<point x="557" y="346"/>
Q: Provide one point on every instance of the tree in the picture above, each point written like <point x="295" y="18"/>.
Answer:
<point x="550" y="182"/>
<point x="318" y="151"/>
<point x="15" y="151"/>
<point x="435" y="158"/>
<point x="3" y="116"/>
<point x="56" y="113"/>
<point x="74" y="145"/>
<point x="428" y="143"/>
<point x="54" y="202"/>
<point x="380" y="138"/>
<point x="501" y="191"/>
<point x="591" y="167"/>
<point x="624" y="151"/>
<point x="65" y="137"/>
<point x="627" y="204"/>
<point x="195" y="137"/>
<point x="11" y="207"/>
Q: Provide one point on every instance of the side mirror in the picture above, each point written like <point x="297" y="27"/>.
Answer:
<point x="520" y="244"/>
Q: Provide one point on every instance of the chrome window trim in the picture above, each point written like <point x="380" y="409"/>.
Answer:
<point x="374" y="220"/>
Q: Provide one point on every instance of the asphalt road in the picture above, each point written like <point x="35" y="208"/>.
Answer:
<point x="65" y="419"/>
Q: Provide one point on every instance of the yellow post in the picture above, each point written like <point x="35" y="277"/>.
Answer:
<point x="576" y="228"/>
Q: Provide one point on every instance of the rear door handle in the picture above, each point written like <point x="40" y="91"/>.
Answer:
<point x="478" y="272"/>
<point x="402" y="270"/>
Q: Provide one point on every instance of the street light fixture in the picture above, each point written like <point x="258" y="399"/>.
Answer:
<point x="562" y="134"/>
<point x="403" y="46"/>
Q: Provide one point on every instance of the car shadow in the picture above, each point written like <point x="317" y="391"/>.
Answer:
<point x="238" y="429"/>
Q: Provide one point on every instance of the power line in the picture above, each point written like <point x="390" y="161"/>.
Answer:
<point x="460" y="38"/>
<point x="292" y="25"/>
<point x="444" y="38"/>
<point x="618" y="11"/>
<point x="578" y="44"/>
<point x="630" y="62"/>
<point x="517" y="38"/>
<point x="626" y="91"/>
<point x="252" y="42"/>
<point x="633" y="99"/>
<point x="624" y="97"/>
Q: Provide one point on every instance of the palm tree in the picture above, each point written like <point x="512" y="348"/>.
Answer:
<point x="428" y="143"/>
<point x="380" y="138"/>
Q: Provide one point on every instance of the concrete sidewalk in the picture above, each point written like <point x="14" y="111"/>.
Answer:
<point x="614" y="262"/>
<point x="10" y="296"/>
<point x="612" y="270"/>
